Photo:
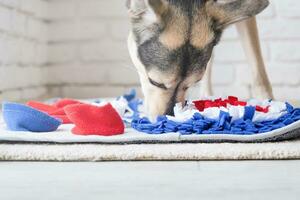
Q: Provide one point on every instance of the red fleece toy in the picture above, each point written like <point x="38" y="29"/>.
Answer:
<point x="56" y="110"/>
<point x="94" y="120"/>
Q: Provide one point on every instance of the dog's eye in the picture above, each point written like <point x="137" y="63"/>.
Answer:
<point x="159" y="85"/>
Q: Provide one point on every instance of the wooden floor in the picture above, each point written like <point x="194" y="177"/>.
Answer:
<point x="266" y="180"/>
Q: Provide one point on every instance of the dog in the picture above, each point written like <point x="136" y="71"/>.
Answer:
<point x="171" y="44"/>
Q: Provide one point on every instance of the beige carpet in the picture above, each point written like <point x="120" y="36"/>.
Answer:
<point x="200" y="151"/>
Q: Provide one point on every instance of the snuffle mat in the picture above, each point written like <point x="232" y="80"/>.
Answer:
<point x="122" y="120"/>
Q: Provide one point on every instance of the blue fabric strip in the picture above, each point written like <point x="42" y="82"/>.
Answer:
<point x="249" y="112"/>
<point x="201" y="125"/>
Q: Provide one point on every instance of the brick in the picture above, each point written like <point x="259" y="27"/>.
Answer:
<point x="13" y="77"/>
<point x="243" y="74"/>
<point x="41" y="57"/>
<point x="285" y="51"/>
<point x="35" y="93"/>
<point x="5" y="19"/>
<point x="291" y="74"/>
<point x="129" y="75"/>
<point x="104" y="50"/>
<point x="91" y="29"/>
<point x="93" y="91"/>
<point x="235" y="54"/>
<point x="103" y="8"/>
<point x="230" y="51"/>
<point x="77" y="30"/>
<point x="119" y="29"/>
<point x="43" y="33"/>
<point x="30" y="6"/>
<point x="2" y="48"/>
<point x="241" y="91"/>
<point x="62" y="9"/>
<point x="230" y="34"/>
<point x="42" y="12"/>
<point x="31" y="76"/>
<point x="59" y="53"/>
<point x="34" y="29"/>
<point x="11" y="3"/>
<point x="223" y="74"/>
<point x="11" y="95"/>
<point x="19" y="23"/>
<point x="64" y="31"/>
<point x="286" y="93"/>
<point x="28" y="50"/>
<point x="275" y="73"/>
<point x="279" y="29"/>
<point x="12" y="50"/>
<point x="54" y="91"/>
<point x="76" y="74"/>
<point x="287" y="8"/>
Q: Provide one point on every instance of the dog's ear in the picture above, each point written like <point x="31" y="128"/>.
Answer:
<point x="230" y="11"/>
<point x="137" y="8"/>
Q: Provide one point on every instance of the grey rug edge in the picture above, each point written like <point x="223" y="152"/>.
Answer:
<point x="150" y="152"/>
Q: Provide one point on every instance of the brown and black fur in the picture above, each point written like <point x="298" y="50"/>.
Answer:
<point x="175" y="46"/>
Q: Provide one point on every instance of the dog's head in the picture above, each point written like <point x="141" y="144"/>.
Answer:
<point x="171" y="42"/>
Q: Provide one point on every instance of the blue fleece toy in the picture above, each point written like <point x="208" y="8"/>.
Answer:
<point x="19" y="117"/>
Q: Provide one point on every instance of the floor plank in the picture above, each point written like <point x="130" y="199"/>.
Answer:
<point x="150" y="180"/>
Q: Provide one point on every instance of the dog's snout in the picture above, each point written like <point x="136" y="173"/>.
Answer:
<point x="170" y="109"/>
<point x="160" y="102"/>
<point x="172" y="102"/>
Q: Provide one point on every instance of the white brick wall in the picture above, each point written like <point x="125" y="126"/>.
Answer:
<point x="279" y="28"/>
<point x="23" y="49"/>
<point x="77" y="48"/>
<point x="88" y="56"/>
